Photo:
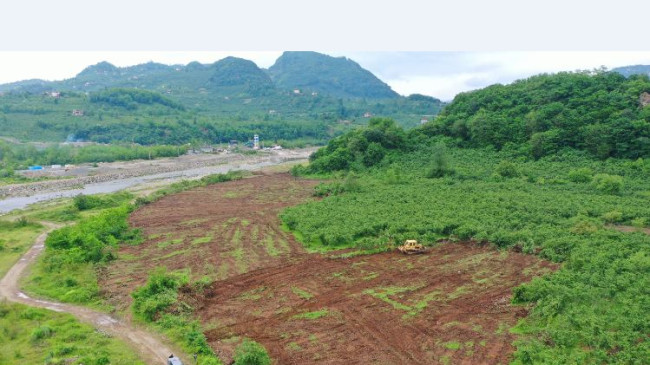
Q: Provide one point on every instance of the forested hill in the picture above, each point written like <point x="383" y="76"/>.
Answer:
<point x="336" y="76"/>
<point x="603" y="113"/>
<point x="633" y="70"/>
<point x="231" y="76"/>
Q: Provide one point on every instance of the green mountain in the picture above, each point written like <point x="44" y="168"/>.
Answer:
<point x="633" y="70"/>
<point x="336" y="76"/>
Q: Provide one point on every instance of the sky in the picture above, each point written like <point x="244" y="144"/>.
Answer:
<point x="439" y="74"/>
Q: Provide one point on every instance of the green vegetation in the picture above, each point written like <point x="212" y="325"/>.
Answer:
<point x="250" y="352"/>
<point x="594" y="309"/>
<point x="15" y="238"/>
<point x="341" y="77"/>
<point x="312" y="315"/>
<point x="302" y="293"/>
<point x="157" y="303"/>
<point x="39" y="336"/>
<point x="20" y="156"/>
<point x="67" y="270"/>
<point x="131" y="98"/>
<point x="230" y="99"/>
<point x="598" y="112"/>
<point x="189" y="184"/>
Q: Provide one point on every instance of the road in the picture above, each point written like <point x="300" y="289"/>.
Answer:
<point x="150" y="348"/>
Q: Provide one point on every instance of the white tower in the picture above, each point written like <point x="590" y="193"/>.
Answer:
<point x="256" y="142"/>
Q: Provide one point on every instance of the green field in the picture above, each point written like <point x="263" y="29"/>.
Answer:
<point x="39" y="336"/>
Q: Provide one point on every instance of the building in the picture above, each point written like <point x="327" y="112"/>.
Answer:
<point x="367" y="115"/>
<point x="77" y="112"/>
<point x="256" y="142"/>
<point x="424" y="120"/>
<point x="296" y="91"/>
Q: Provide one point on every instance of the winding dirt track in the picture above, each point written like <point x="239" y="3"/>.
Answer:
<point x="150" y="348"/>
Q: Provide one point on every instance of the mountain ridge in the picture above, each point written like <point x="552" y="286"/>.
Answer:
<point x="338" y="77"/>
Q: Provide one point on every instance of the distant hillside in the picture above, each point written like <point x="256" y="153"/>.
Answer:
<point x="340" y="77"/>
<point x="229" y="99"/>
<point x="633" y="70"/>
<point x="605" y="114"/>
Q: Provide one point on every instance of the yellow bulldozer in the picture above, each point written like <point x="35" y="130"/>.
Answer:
<point x="411" y="247"/>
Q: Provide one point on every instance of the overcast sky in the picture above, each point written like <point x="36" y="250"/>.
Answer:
<point x="439" y="74"/>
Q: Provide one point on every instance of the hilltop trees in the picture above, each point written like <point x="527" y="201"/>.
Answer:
<point x="361" y="147"/>
<point x="597" y="112"/>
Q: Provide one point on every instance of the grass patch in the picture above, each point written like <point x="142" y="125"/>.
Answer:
<point x="452" y="345"/>
<point x="39" y="336"/>
<point x="177" y="241"/>
<point x="15" y="239"/>
<point x="71" y="283"/>
<point x="201" y="240"/>
<point x="385" y="294"/>
<point x="253" y="294"/>
<point x="269" y="245"/>
<point x="293" y="346"/>
<point x="302" y="293"/>
<point x="312" y="315"/>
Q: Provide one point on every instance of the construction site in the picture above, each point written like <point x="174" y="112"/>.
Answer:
<point x="450" y="304"/>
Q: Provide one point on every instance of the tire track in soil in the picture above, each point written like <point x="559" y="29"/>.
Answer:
<point x="359" y="328"/>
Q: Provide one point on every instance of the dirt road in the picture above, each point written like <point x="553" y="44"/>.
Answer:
<point x="150" y="348"/>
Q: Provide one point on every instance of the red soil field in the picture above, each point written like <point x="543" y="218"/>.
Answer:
<point x="450" y="305"/>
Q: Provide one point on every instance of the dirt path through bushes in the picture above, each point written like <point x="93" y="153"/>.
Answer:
<point x="150" y="349"/>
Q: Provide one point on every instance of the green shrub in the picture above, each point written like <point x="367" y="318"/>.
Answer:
<point x="581" y="175"/>
<point x="86" y="202"/>
<point x="157" y="294"/>
<point x="323" y="189"/>
<point x="251" y="353"/>
<point x="42" y="332"/>
<point x="639" y="222"/>
<point x="439" y="162"/>
<point x="94" y="238"/>
<point x="613" y="216"/>
<point x="507" y="169"/>
<point x="609" y="184"/>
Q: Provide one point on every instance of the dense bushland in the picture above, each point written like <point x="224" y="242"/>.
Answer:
<point x="598" y="112"/>
<point x="131" y="98"/>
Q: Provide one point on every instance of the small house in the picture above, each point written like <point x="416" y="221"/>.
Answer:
<point x="367" y="115"/>
<point x="77" y="112"/>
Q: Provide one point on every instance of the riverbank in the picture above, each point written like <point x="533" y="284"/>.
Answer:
<point x="139" y="172"/>
<point x="122" y="170"/>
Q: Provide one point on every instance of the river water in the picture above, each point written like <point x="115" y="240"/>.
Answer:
<point x="20" y="202"/>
